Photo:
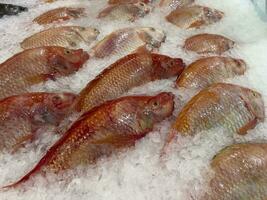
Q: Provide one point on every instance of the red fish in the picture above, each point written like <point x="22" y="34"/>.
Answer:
<point x="63" y="13"/>
<point x="23" y="115"/>
<point x="37" y="65"/>
<point x="128" y="72"/>
<point x="104" y="130"/>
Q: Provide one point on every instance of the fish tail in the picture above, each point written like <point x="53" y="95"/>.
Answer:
<point x="26" y="177"/>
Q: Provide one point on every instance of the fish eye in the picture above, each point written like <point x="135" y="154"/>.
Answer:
<point x="155" y="104"/>
<point x="142" y="4"/>
<point x="83" y="28"/>
<point x="152" y="29"/>
<point x="56" y="100"/>
<point x="67" y="51"/>
<point x="254" y="94"/>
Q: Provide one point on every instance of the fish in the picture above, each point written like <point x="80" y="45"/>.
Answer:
<point x="37" y="65"/>
<point x="22" y="116"/>
<point x="206" y="71"/>
<point x="104" y="130"/>
<point x="64" y="36"/>
<point x="59" y="14"/>
<point x="233" y="108"/>
<point x="208" y="43"/>
<point x="128" y="40"/>
<point x="176" y="3"/>
<point x="128" y="1"/>
<point x="125" y="11"/>
<point x="239" y="172"/>
<point x="130" y="71"/>
<point x="10" y="9"/>
<point x="194" y="16"/>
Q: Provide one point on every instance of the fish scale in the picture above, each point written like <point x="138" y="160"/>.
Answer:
<point x="32" y="66"/>
<point x="104" y="130"/>
<point x="63" y="13"/>
<point x="231" y="107"/>
<point x="208" y="43"/>
<point x="65" y="36"/>
<point x="125" y="11"/>
<point x="239" y="173"/>
<point x="22" y="116"/>
<point x="128" y="40"/>
<point x="122" y="42"/>
<point x="128" y="72"/>
<point x="194" y="16"/>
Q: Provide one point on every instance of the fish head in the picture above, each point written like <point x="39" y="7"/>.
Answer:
<point x="88" y="33"/>
<point x="65" y="61"/>
<point x="54" y="108"/>
<point x="151" y="36"/>
<point x="213" y="15"/>
<point x="158" y="107"/>
<point x="143" y="8"/>
<point x="166" y="66"/>
<point x="239" y="67"/>
<point x="254" y="102"/>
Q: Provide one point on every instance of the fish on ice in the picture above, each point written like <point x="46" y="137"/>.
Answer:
<point x="37" y="65"/>
<point x="128" y="72"/>
<point x="104" y="130"/>
<point x="128" y="40"/>
<point x="194" y="16"/>
<point x="23" y="116"/>
<point x="64" y="36"/>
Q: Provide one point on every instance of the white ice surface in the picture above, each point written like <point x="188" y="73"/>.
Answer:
<point x="137" y="173"/>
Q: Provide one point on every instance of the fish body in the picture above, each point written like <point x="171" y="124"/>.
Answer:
<point x="231" y="107"/>
<point x="9" y="9"/>
<point x="65" y="36"/>
<point x="176" y="3"/>
<point x="128" y="72"/>
<point x="103" y="130"/>
<point x="128" y="1"/>
<point x="59" y="14"/>
<point x="23" y="115"/>
<point x="128" y="40"/>
<point x="208" y="43"/>
<point x="206" y="71"/>
<point x="194" y="16"/>
<point x="240" y="172"/>
<point x="37" y="65"/>
<point x="125" y="11"/>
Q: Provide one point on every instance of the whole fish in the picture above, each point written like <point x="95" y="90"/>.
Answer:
<point x="176" y="3"/>
<point x="37" y="65"/>
<point x="22" y="116"/>
<point x="232" y="107"/>
<point x="128" y="40"/>
<point x="9" y="9"/>
<point x="194" y="16"/>
<point x="128" y="1"/>
<point x="208" y="43"/>
<point x="125" y="11"/>
<point x="240" y="172"/>
<point x="206" y="71"/>
<point x="59" y="14"/>
<point x="65" y="36"/>
<point x="104" y="130"/>
<point x="128" y="72"/>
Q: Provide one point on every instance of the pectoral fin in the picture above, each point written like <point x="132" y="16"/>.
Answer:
<point x="250" y="125"/>
<point x="21" y="141"/>
<point x="40" y="78"/>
